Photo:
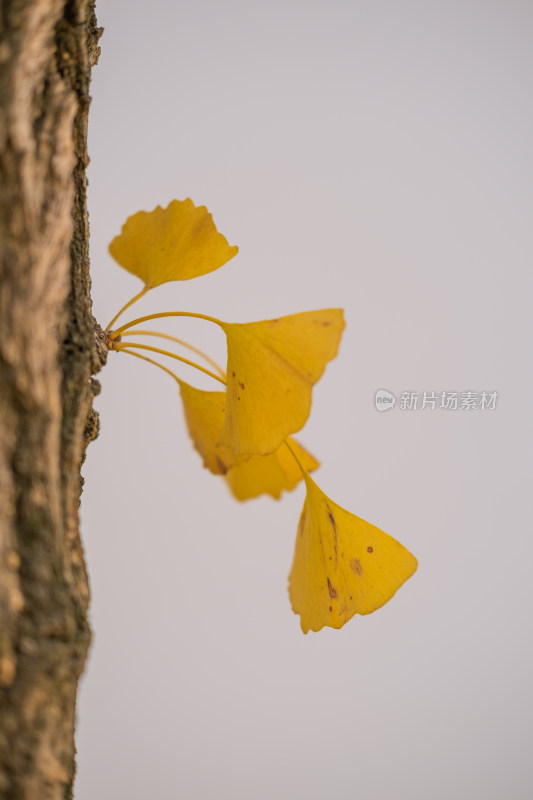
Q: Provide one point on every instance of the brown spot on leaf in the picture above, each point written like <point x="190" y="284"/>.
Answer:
<point x="220" y="464"/>
<point x="332" y="590"/>
<point x="369" y="549"/>
<point x="241" y="385"/>
<point x="355" y="566"/>
<point x="332" y="520"/>
<point x="331" y="608"/>
<point x="233" y="373"/>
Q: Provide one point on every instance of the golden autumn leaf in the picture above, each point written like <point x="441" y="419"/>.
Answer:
<point x="272" y="366"/>
<point x="246" y="477"/>
<point x="270" y="474"/>
<point x="175" y="243"/>
<point x="342" y="565"/>
<point x="204" y="413"/>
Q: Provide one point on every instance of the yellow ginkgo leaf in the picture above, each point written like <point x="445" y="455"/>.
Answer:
<point x="204" y="415"/>
<point x="246" y="477"/>
<point x="171" y="244"/>
<point x="342" y="565"/>
<point x="270" y="474"/>
<point x="272" y="366"/>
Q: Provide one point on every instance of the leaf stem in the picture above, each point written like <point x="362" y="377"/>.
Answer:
<point x="304" y="471"/>
<point x="128" y="304"/>
<point x="118" y="331"/>
<point x="151" y="361"/>
<point x="119" y="346"/>
<point x="180" y="342"/>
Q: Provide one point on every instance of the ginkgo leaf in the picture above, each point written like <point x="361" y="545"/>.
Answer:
<point x="270" y="474"/>
<point x="272" y="366"/>
<point x="171" y="244"/>
<point x="246" y="477"/>
<point x="342" y="565"/>
<point x="204" y="415"/>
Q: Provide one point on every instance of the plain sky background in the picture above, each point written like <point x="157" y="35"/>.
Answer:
<point x="369" y="155"/>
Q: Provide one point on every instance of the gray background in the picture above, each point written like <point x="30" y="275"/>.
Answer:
<point x="377" y="156"/>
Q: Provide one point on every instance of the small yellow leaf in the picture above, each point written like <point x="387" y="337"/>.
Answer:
<point x="204" y="414"/>
<point x="246" y="477"/>
<point x="171" y="244"/>
<point x="270" y="474"/>
<point x="272" y="366"/>
<point x="342" y="565"/>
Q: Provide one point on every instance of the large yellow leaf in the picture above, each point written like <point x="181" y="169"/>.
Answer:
<point x="272" y="366"/>
<point x="246" y="477"/>
<point x="171" y="244"/>
<point x="270" y="474"/>
<point x="342" y="565"/>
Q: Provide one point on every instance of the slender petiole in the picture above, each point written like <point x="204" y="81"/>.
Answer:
<point x="118" y="331"/>
<point x="128" y="304"/>
<point x="119" y="346"/>
<point x="178" y="341"/>
<point x="304" y="471"/>
<point x="151" y="361"/>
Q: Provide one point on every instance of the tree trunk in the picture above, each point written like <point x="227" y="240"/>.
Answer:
<point x="50" y="346"/>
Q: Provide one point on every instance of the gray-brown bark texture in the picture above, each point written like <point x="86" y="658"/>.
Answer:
<point x="50" y="346"/>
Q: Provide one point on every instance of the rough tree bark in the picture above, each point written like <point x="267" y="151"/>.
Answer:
<point x="50" y="347"/>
